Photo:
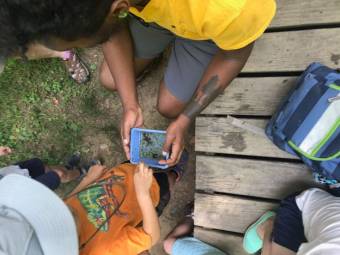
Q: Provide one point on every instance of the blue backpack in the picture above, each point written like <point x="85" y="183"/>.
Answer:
<point x="308" y="122"/>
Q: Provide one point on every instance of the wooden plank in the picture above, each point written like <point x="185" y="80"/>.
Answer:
<point x="217" y="135"/>
<point x="295" y="13"/>
<point x="229" y="243"/>
<point x="228" y="213"/>
<point x="249" y="177"/>
<point x="295" y="50"/>
<point x="252" y="96"/>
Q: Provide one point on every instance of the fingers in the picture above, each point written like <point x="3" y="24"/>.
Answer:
<point x="5" y="150"/>
<point x="143" y="169"/>
<point x="177" y="149"/>
<point x="168" y="143"/>
<point x="8" y="150"/>
<point x="126" y="139"/>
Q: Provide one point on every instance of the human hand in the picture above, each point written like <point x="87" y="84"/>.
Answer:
<point x="5" y="150"/>
<point x="95" y="172"/>
<point x="174" y="141"/>
<point x="143" y="179"/>
<point x="132" y="117"/>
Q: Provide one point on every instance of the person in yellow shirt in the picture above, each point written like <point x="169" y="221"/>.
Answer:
<point x="210" y="42"/>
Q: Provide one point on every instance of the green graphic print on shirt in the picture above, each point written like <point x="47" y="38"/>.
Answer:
<point x="101" y="203"/>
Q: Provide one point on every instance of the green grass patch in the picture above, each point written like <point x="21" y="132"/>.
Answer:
<point x="39" y="110"/>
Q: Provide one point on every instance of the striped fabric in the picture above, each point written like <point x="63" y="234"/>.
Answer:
<point x="308" y="122"/>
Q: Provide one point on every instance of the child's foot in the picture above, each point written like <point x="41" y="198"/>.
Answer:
<point x="265" y="227"/>
<point x="76" y="67"/>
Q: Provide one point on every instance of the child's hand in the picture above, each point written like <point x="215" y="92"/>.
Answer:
<point x="143" y="179"/>
<point x="5" y="151"/>
<point x="95" y="172"/>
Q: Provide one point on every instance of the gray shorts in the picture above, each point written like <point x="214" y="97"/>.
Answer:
<point x="188" y="59"/>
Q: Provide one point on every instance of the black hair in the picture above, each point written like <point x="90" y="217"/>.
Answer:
<point x="24" y="21"/>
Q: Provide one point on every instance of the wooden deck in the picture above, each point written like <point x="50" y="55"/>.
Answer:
<point x="241" y="174"/>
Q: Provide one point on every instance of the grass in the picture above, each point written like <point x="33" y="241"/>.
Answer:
<point x="40" y="108"/>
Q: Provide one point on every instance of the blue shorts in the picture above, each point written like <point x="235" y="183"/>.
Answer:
<point x="190" y="245"/>
<point x="36" y="170"/>
<point x="288" y="226"/>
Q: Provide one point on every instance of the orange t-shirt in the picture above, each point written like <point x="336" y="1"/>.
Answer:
<point x="119" y="235"/>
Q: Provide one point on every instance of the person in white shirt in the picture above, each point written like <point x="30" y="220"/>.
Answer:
<point x="306" y="224"/>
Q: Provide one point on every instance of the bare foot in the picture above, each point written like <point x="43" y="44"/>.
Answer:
<point x="264" y="227"/>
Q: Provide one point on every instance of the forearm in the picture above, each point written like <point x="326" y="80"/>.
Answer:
<point x="118" y="53"/>
<point x="150" y="219"/>
<point x="224" y="67"/>
<point x="85" y="182"/>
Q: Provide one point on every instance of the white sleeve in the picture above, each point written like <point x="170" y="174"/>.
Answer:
<point x="320" y="248"/>
<point x="304" y="198"/>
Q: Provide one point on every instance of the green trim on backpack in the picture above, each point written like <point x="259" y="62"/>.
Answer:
<point x="334" y="86"/>
<point x="296" y="148"/>
<point x="327" y="136"/>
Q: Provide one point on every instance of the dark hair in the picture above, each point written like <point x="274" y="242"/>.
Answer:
<point x="24" y="21"/>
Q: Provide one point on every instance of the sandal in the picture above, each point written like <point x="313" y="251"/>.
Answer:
<point x="252" y="243"/>
<point x="76" y="68"/>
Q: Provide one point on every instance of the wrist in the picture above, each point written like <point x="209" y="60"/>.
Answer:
<point x="183" y="120"/>
<point x="131" y="107"/>
<point x="143" y="195"/>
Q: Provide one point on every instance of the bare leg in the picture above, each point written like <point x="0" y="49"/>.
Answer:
<point x="107" y="80"/>
<point x="184" y="228"/>
<point x="64" y="174"/>
<point x="269" y="247"/>
<point x="38" y="51"/>
<point x="74" y="65"/>
<point x="172" y="177"/>
<point x="168" y="105"/>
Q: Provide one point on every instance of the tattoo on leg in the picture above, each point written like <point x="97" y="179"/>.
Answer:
<point x="203" y="98"/>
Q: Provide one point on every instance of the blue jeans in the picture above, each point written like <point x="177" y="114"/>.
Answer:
<point x="193" y="246"/>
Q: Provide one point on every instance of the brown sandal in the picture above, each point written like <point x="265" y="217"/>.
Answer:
<point x="76" y="68"/>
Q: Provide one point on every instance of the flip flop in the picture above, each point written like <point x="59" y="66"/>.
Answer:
<point x="252" y="243"/>
<point x="76" y="68"/>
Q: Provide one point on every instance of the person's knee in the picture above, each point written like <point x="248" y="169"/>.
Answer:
<point x="168" y="104"/>
<point x="105" y="77"/>
<point x="166" y="109"/>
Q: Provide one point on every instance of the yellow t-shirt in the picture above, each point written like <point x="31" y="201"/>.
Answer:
<point x="231" y="24"/>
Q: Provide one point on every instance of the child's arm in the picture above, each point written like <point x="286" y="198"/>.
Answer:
<point x="94" y="173"/>
<point x="223" y="68"/>
<point x="5" y="151"/>
<point x="143" y="180"/>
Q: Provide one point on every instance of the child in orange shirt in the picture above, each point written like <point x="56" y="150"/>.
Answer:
<point x="113" y="213"/>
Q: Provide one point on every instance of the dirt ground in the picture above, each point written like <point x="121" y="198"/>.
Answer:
<point x="107" y="144"/>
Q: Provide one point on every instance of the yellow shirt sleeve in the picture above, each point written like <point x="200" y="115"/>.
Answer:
<point x="248" y="26"/>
